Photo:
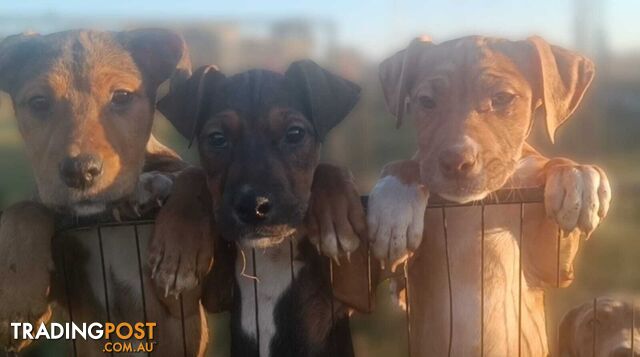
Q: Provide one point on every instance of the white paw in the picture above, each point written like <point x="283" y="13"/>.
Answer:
<point x="396" y="219"/>
<point x="577" y="197"/>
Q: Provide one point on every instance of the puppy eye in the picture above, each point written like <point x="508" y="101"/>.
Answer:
<point x="502" y="99"/>
<point x="427" y="102"/>
<point x="294" y="134"/>
<point x="121" y="97"/>
<point x="39" y="104"/>
<point x="217" y="140"/>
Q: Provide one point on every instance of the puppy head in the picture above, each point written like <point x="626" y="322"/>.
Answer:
<point x="611" y="322"/>
<point x="84" y="102"/>
<point x="259" y="136"/>
<point x="473" y="101"/>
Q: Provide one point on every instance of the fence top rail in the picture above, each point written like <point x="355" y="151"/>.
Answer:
<point x="500" y="197"/>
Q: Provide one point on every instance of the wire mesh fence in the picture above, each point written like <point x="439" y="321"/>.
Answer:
<point x="102" y="276"/>
<point x="104" y="250"/>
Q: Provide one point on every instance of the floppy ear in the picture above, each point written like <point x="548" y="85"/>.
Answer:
<point x="397" y="74"/>
<point x="14" y="51"/>
<point x="327" y="98"/>
<point x="184" y="105"/>
<point x="564" y="79"/>
<point x="567" y="330"/>
<point x="158" y="53"/>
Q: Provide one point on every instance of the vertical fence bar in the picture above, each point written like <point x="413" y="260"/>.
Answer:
<point x="407" y="293"/>
<point x="595" y="325"/>
<point x="104" y="276"/>
<point x="633" y="326"/>
<point x="482" y="281"/>
<point x="291" y="260"/>
<point x="333" y="318"/>
<point x="9" y="338"/>
<point x="140" y="273"/>
<point x="255" y="295"/>
<point x="558" y="237"/>
<point x="520" y="279"/>
<point x="446" y="251"/>
<point x="68" y="298"/>
<point x="369" y="281"/>
<point x="182" y="327"/>
<point x="292" y="279"/>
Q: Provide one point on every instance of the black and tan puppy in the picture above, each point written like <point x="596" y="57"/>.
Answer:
<point x="259" y="135"/>
<point x="84" y="102"/>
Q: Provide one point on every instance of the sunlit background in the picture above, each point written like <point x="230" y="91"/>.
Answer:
<point x="352" y="37"/>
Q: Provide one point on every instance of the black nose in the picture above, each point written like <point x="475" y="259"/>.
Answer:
<point x="81" y="171"/>
<point x="253" y="208"/>
<point x="458" y="162"/>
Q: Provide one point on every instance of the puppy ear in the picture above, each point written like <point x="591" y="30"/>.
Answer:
<point x="397" y="74"/>
<point x="184" y="105"/>
<point x="327" y="98"/>
<point x="564" y="79"/>
<point x="14" y="51"/>
<point x="567" y="331"/>
<point x="158" y="53"/>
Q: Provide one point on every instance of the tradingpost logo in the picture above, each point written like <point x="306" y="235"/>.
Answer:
<point x="122" y="337"/>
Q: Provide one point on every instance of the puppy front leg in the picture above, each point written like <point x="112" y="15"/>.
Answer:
<point x="397" y="206"/>
<point x="161" y="166"/>
<point x="336" y="225"/>
<point x="576" y="200"/>
<point x="335" y="219"/>
<point x="26" y="263"/>
<point x="181" y="249"/>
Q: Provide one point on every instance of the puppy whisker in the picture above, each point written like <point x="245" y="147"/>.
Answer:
<point x="244" y="266"/>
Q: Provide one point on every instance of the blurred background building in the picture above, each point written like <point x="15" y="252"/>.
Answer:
<point x="352" y="37"/>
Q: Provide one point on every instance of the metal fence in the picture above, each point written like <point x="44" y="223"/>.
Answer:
<point x="92" y="257"/>
<point x="86" y="244"/>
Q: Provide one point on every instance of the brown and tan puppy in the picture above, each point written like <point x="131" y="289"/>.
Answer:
<point x="473" y="101"/>
<point x="606" y="331"/>
<point x="84" y="102"/>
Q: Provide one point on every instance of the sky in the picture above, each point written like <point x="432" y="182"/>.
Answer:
<point x="374" y="27"/>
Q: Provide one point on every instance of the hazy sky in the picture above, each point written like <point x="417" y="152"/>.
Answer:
<point x="375" y="26"/>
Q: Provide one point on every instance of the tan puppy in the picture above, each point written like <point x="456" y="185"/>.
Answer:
<point x="605" y="332"/>
<point x="473" y="101"/>
<point x="84" y="101"/>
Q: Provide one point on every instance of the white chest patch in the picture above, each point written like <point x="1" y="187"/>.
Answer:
<point x="274" y="272"/>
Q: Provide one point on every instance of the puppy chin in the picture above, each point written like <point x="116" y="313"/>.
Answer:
<point x="464" y="198"/>
<point x="458" y="194"/>
<point x="262" y="241"/>
<point x="89" y="208"/>
<point x="83" y="203"/>
<point x="79" y="208"/>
